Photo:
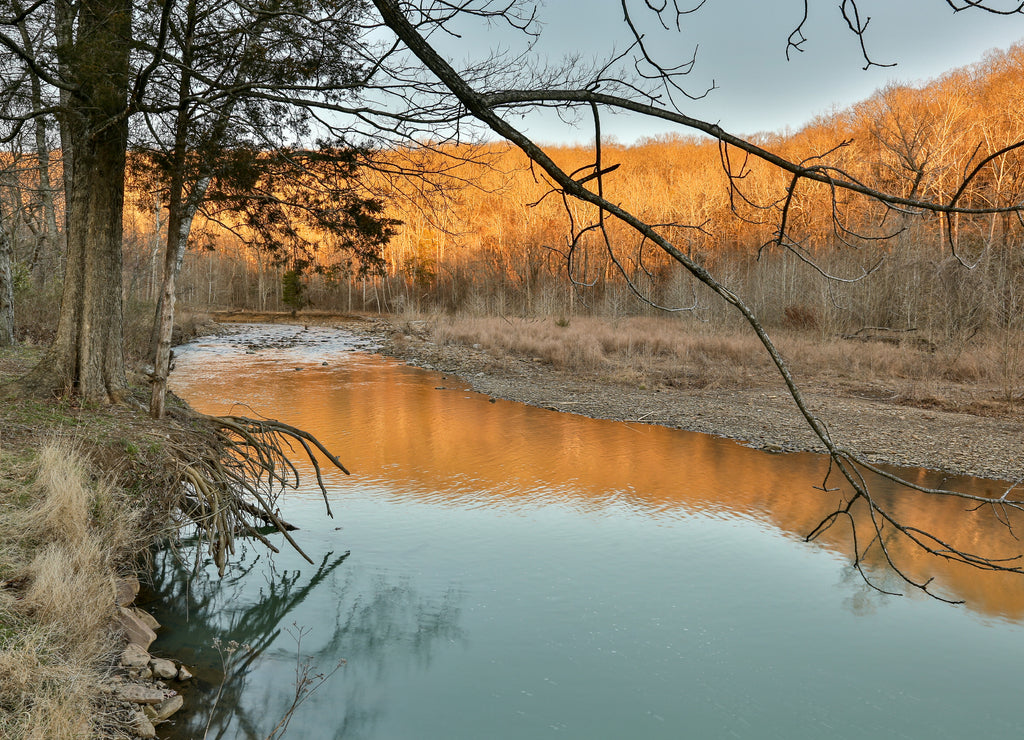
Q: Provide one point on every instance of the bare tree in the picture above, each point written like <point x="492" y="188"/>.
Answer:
<point x="6" y="288"/>
<point x="29" y="217"/>
<point x="44" y="262"/>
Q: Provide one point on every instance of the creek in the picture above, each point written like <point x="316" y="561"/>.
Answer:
<point x="501" y="571"/>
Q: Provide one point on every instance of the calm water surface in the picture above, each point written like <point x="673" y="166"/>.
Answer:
<point x="520" y="573"/>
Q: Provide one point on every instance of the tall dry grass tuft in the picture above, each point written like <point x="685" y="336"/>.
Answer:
<point x="62" y="509"/>
<point x="71" y="595"/>
<point x="52" y="664"/>
<point x="71" y="509"/>
<point x="45" y="695"/>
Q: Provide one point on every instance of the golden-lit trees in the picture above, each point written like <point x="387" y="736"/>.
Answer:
<point x="913" y="141"/>
<point x="490" y="232"/>
<point x="497" y="236"/>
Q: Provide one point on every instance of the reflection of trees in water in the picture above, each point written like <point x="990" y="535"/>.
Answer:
<point x="253" y="604"/>
<point x="863" y="599"/>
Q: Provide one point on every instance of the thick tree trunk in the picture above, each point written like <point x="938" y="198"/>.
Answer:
<point x="87" y="356"/>
<point x="88" y="353"/>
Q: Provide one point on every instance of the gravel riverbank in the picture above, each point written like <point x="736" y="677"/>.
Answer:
<point x="882" y="430"/>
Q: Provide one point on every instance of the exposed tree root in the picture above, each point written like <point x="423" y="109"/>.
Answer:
<point x="232" y="470"/>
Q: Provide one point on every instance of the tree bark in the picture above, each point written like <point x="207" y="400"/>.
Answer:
<point x="44" y="264"/>
<point x="87" y="356"/>
<point x="6" y="290"/>
<point x="180" y="212"/>
<point x="179" y="226"/>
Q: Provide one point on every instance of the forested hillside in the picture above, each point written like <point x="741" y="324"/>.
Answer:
<point x="485" y="234"/>
<point x="488" y="236"/>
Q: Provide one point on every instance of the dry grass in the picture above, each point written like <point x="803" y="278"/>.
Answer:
<point x="67" y="539"/>
<point x="44" y="695"/>
<point x="62" y="511"/>
<point x="684" y="352"/>
<point x="71" y="595"/>
<point x="595" y="345"/>
<point x="640" y="350"/>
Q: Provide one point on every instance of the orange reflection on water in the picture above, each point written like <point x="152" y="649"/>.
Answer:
<point x="428" y="438"/>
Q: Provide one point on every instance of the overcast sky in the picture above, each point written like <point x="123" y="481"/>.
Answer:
<point x="742" y="45"/>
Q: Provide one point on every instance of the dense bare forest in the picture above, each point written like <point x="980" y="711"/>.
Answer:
<point x="486" y="235"/>
<point x="492" y="239"/>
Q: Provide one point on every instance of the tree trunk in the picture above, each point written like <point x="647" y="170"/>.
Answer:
<point x="179" y="226"/>
<point x="87" y="356"/>
<point x="180" y="212"/>
<point x="6" y="290"/>
<point x="44" y="265"/>
<point x="177" y="238"/>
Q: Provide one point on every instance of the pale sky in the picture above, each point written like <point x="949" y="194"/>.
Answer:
<point x="742" y="45"/>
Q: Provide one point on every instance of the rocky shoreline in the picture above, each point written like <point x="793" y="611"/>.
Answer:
<point x="142" y="685"/>
<point x="881" y="429"/>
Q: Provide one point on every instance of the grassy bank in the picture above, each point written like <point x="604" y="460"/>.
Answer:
<point x="981" y="374"/>
<point x="80" y="501"/>
<point x="975" y="376"/>
<point x="85" y="492"/>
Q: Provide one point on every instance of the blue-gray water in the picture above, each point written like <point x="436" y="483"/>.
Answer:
<point x="516" y="573"/>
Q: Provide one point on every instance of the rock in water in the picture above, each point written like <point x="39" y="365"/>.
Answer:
<point x="167" y="707"/>
<point x="163" y="668"/>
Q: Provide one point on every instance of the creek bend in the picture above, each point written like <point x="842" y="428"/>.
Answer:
<point x="520" y="573"/>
